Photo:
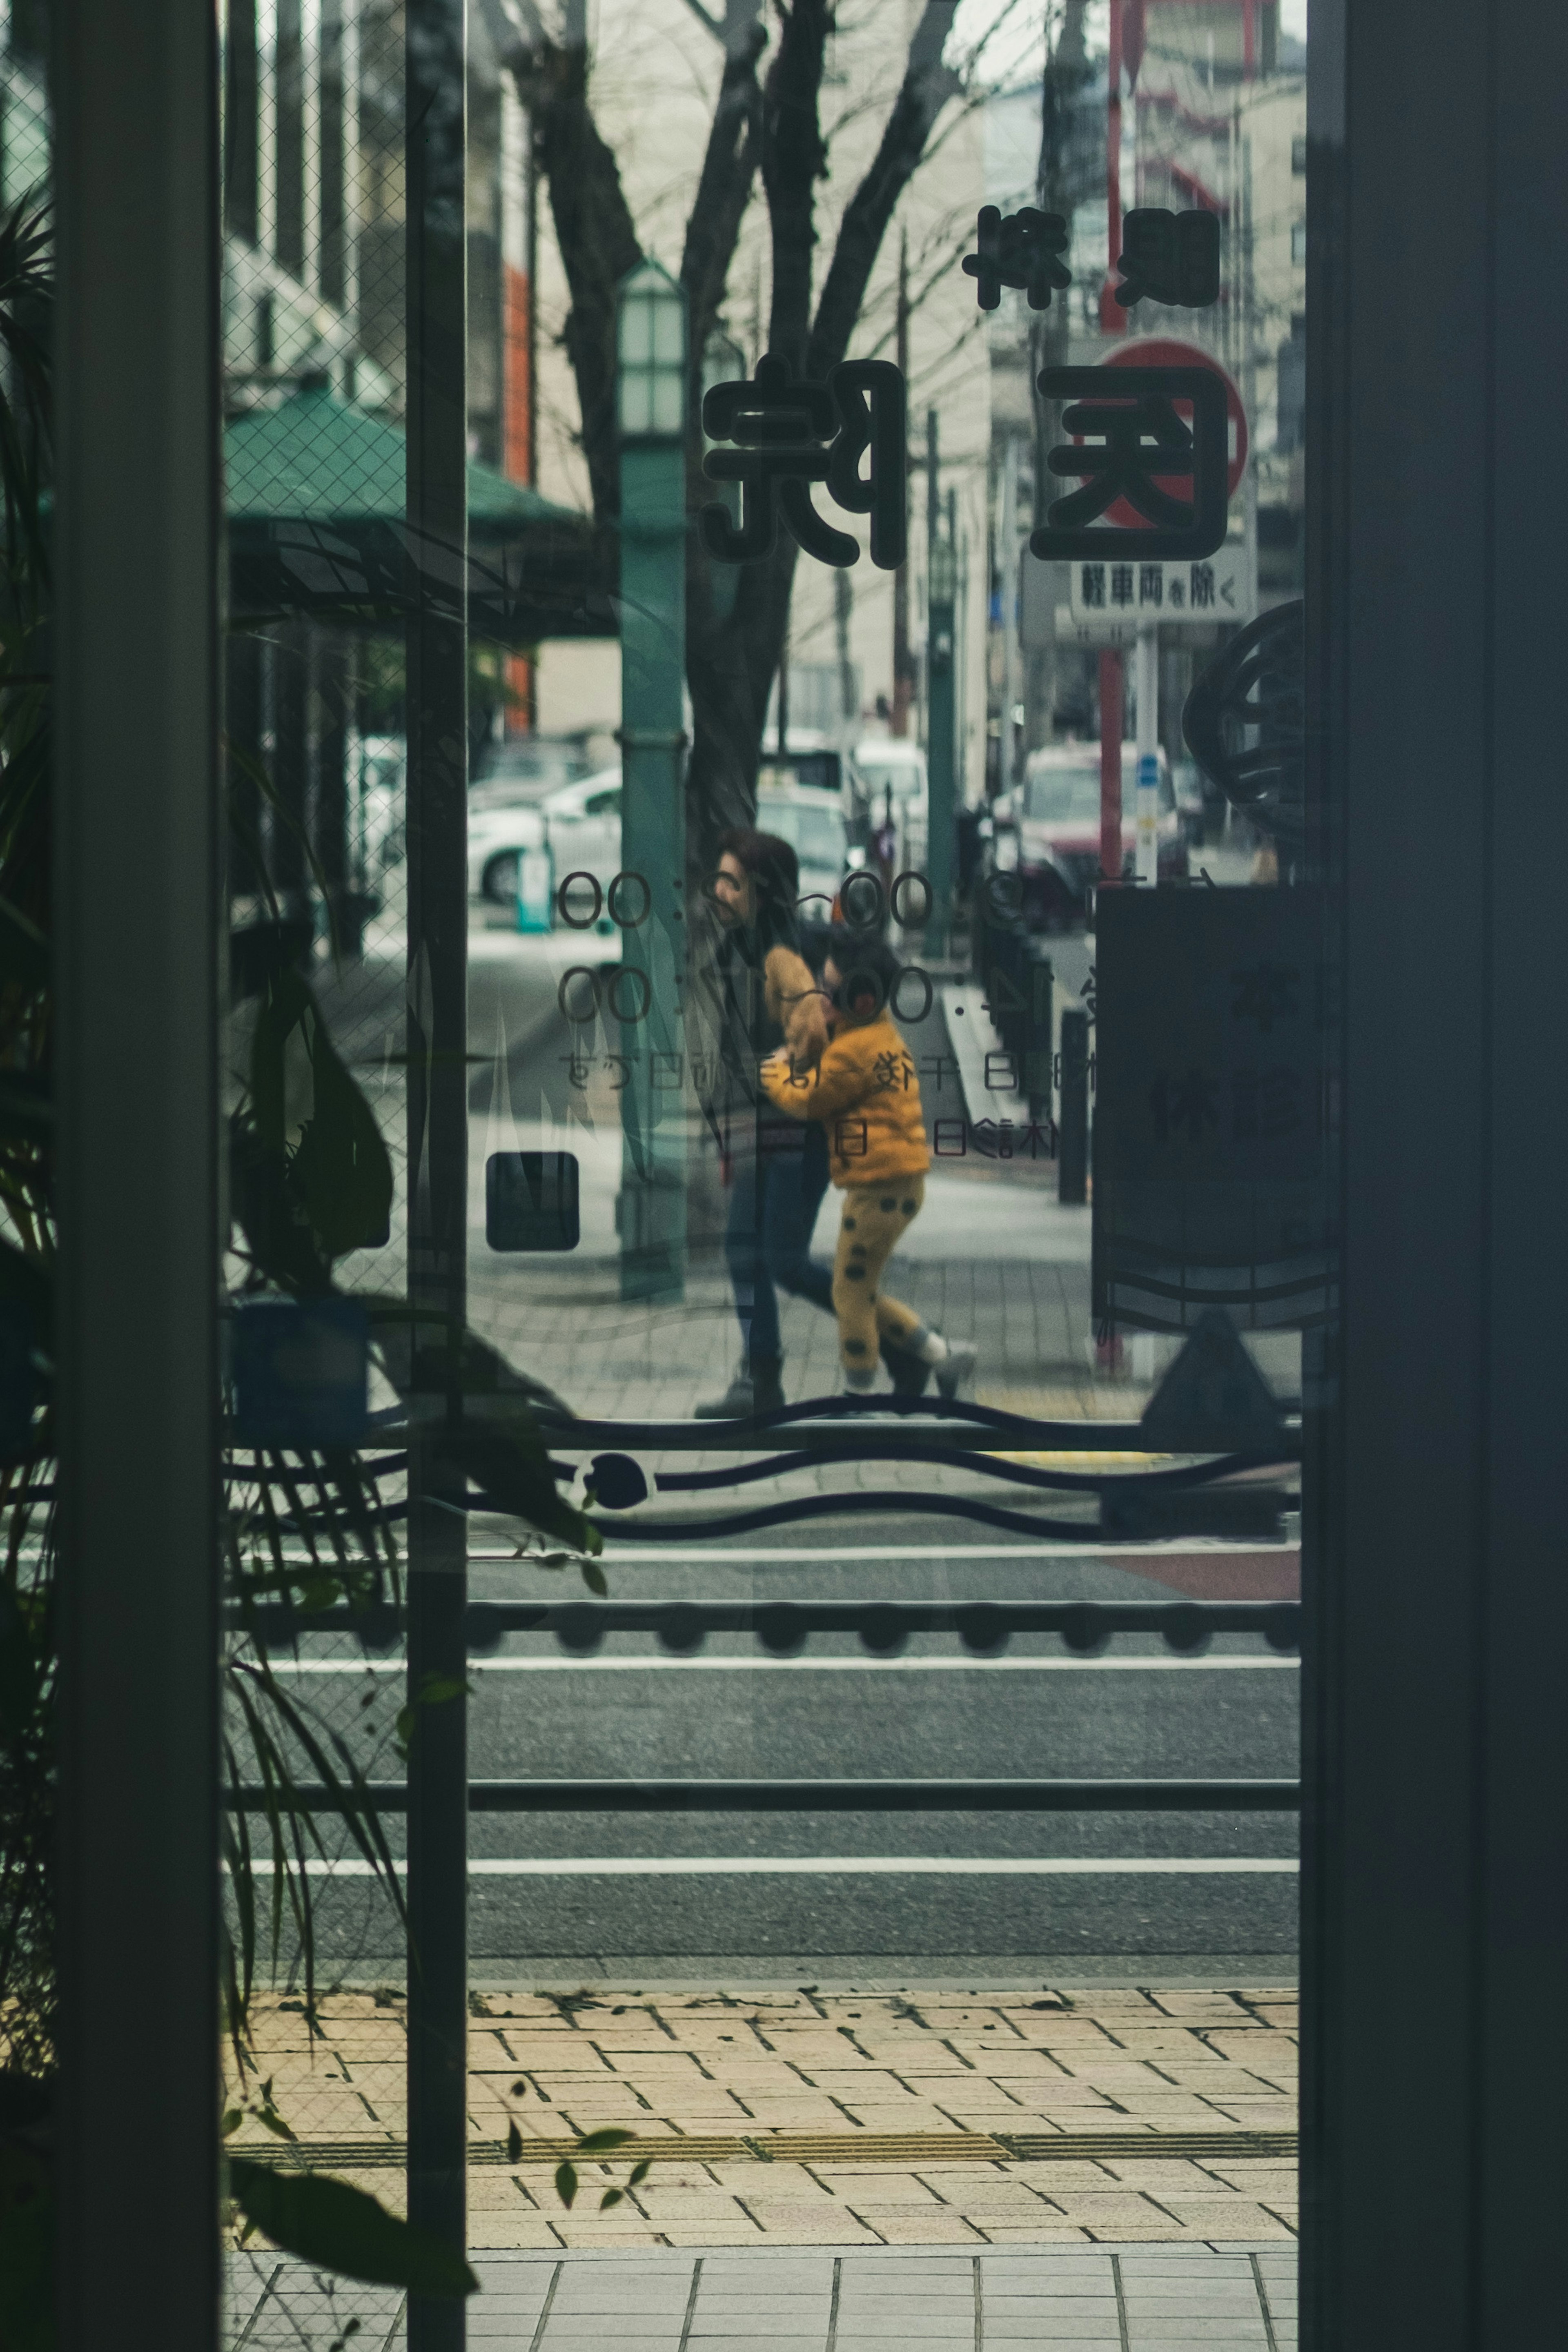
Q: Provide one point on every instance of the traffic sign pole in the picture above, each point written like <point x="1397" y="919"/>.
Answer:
<point x="1111" y="693"/>
<point x="1146" y="685"/>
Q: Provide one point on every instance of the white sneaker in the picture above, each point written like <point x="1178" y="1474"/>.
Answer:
<point x="956" y="1370"/>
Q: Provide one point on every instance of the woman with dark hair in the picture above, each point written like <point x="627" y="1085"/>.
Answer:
<point x="767" y="998"/>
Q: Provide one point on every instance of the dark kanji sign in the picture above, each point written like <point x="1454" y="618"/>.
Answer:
<point x="1132" y="450"/>
<point x="1214" y="1109"/>
<point x="789" y="433"/>
<point x="1171" y="257"/>
<point x="1022" y="250"/>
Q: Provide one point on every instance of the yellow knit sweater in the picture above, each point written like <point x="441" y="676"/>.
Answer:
<point x="866" y="1093"/>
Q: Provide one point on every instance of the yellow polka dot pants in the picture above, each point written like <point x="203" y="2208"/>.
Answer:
<point x="874" y="1216"/>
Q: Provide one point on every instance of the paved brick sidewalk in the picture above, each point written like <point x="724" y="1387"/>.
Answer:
<point x="1141" y="2299"/>
<point x="808" y="2118"/>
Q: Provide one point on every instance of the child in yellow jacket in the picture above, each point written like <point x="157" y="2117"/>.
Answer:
<point x="865" y="1091"/>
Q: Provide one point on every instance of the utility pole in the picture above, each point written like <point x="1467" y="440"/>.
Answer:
<point x="1065" y="72"/>
<point x="1249" y="367"/>
<point x="1112" y="321"/>
<point x="942" y="590"/>
<point x="650" y="404"/>
<point x="1146" y="686"/>
<point x="1007" y="568"/>
<point x="843" y="607"/>
<point x="903" y="672"/>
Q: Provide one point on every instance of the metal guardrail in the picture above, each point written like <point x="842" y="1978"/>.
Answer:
<point x="782" y="1627"/>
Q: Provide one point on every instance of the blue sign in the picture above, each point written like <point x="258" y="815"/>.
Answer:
<point x="301" y="1371"/>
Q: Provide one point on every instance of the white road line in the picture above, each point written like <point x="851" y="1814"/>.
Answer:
<point x="663" y="1665"/>
<point x="850" y="1866"/>
<point x="759" y="1554"/>
<point x="627" y="1554"/>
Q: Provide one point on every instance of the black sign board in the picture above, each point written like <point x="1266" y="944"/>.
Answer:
<point x="531" y="1200"/>
<point x="1213" y="1109"/>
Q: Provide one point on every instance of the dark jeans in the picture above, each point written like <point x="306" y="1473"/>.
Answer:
<point x="773" y="1202"/>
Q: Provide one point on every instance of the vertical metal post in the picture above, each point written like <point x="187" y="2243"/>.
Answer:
<point x="940" y="591"/>
<point x="903" y="668"/>
<point x="655" y="392"/>
<point x="437" y="1136"/>
<point x="1112" y="690"/>
<point x="1072" y="1159"/>
<point x="1007" y="568"/>
<point x="1113" y="317"/>
<point x="1112" y="321"/>
<point x="1147" y="682"/>
<point x="136" y="969"/>
<point x="1038" y="1032"/>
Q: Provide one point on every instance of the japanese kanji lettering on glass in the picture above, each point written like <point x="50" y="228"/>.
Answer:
<point x="1129" y="443"/>
<point x="1021" y="250"/>
<point x="1172" y="257"/>
<point x="789" y="433"/>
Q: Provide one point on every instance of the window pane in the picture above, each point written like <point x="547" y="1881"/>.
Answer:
<point x="832" y="1301"/>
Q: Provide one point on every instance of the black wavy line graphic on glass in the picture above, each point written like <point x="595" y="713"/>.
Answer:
<point x="859" y="1506"/>
<point x="983" y="1466"/>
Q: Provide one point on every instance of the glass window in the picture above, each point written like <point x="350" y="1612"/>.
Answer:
<point x="818" y="770"/>
<point x="764" y="1396"/>
<point x="816" y="834"/>
<point x="1069" y="793"/>
<point x="800" y="1343"/>
<point x="738" y="1224"/>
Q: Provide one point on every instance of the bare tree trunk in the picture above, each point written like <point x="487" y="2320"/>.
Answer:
<point x="597" y="242"/>
<point x="733" y="654"/>
<point x="731" y="664"/>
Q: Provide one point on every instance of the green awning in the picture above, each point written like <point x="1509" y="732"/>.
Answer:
<point x="316" y="529"/>
<point x="311" y="459"/>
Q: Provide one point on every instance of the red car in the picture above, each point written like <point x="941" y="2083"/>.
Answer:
<point x="1047" y="831"/>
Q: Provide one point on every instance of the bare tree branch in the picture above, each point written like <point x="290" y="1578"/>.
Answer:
<point x="927" y="86"/>
<point x="731" y="665"/>
<point x="733" y="30"/>
<point x="794" y="157"/>
<point x="724" y="186"/>
<point x="594" y="235"/>
<point x="734" y="634"/>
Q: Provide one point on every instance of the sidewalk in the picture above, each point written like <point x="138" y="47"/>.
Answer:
<point x="1142" y="2298"/>
<point x="803" y="2117"/>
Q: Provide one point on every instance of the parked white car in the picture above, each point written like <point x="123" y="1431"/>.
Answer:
<point x="890" y="779"/>
<point x="813" y="823"/>
<point x="579" y="824"/>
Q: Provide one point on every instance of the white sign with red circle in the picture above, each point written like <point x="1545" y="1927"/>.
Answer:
<point x="1112" y="593"/>
<point x="1167" y="352"/>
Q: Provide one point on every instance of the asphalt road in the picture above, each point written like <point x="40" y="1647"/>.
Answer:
<point x="892" y="1894"/>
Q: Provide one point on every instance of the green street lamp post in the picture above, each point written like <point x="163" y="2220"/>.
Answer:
<point x="644" y="995"/>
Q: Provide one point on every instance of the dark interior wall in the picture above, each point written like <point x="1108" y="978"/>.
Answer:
<point x="1434" y="1915"/>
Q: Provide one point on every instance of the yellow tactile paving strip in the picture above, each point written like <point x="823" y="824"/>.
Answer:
<point x="804" y="2117"/>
